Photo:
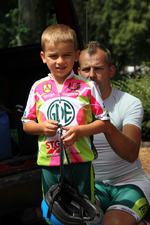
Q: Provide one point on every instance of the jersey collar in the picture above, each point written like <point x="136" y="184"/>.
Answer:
<point x="70" y="75"/>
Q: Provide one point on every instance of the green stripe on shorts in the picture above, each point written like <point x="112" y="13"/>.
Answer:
<point x="129" y="198"/>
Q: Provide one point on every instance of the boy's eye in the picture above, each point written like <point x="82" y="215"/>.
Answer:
<point x="53" y="56"/>
<point x="67" y="55"/>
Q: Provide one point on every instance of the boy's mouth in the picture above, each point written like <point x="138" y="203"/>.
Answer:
<point x="61" y="68"/>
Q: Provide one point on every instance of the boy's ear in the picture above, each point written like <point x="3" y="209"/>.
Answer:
<point x="43" y="56"/>
<point x="77" y="54"/>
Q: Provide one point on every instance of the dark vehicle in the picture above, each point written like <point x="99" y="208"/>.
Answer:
<point x="20" y="177"/>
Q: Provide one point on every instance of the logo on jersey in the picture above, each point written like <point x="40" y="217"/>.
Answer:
<point x="74" y="86"/>
<point x="47" y="88"/>
<point x="53" y="147"/>
<point x="62" y="112"/>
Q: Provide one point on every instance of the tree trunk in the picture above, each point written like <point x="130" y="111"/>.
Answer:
<point x="31" y="21"/>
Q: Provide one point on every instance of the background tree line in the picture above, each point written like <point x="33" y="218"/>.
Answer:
<point x="123" y="26"/>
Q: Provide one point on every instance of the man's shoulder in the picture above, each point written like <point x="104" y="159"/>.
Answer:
<point x="123" y="96"/>
<point x="128" y="108"/>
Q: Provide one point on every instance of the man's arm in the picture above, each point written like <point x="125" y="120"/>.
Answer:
<point x="126" y="144"/>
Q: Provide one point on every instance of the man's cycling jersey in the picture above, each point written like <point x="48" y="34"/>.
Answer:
<point x="78" y="103"/>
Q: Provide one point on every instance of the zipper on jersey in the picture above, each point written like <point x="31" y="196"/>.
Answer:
<point x="59" y="112"/>
<point x="59" y="96"/>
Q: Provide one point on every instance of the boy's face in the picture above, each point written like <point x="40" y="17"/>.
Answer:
<point x="60" y="59"/>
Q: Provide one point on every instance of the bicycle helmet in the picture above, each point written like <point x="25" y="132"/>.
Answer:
<point x="70" y="207"/>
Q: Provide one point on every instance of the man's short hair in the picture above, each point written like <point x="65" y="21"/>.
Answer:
<point x="92" y="46"/>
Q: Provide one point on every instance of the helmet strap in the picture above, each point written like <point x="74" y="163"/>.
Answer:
<point x="62" y="152"/>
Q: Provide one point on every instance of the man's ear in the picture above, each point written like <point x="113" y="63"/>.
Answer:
<point x="112" y="70"/>
<point x="77" y="54"/>
<point x="43" y="56"/>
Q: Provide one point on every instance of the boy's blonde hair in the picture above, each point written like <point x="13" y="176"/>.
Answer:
<point x="58" y="33"/>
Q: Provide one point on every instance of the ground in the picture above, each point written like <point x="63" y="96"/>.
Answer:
<point x="145" y="159"/>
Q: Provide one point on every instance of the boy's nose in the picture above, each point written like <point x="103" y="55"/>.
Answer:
<point x="60" y="60"/>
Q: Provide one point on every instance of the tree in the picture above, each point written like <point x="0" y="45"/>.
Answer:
<point x="8" y="25"/>
<point x="123" y="26"/>
<point x="23" y="21"/>
<point x="31" y="20"/>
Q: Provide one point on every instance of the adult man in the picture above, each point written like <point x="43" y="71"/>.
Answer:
<point x="121" y="185"/>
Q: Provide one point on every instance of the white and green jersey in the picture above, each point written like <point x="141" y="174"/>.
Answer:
<point x="109" y="167"/>
<point x="78" y="103"/>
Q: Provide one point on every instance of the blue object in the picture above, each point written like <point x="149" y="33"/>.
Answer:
<point x="53" y="219"/>
<point x="5" y="143"/>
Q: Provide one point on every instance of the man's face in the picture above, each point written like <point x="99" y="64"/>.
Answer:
<point x="95" y="67"/>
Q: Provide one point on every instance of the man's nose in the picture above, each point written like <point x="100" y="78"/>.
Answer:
<point x="91" y="73"/>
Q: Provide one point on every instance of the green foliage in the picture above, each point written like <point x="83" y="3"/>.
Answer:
<point x="140" y="88"/>
<point x="123" y="26"/>
<point x="8" y="28"/>
<point x="15" y="32"/>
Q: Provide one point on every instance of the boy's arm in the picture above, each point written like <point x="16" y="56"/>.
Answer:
<point x="74" y="132"/>
<point x="47" y="127"/>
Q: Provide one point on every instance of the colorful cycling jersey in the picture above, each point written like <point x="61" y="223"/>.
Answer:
<point x="77" y="104"/>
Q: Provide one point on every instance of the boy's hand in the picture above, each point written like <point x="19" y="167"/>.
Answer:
<point x="71" y="136"/>
<point x="50" y="128"/>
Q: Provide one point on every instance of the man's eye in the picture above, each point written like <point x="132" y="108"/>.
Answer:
<point x="86" y="70"/>
<point x="98" y="68"/>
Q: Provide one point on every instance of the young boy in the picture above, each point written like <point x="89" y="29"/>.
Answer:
<point x="65" y="98"/>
